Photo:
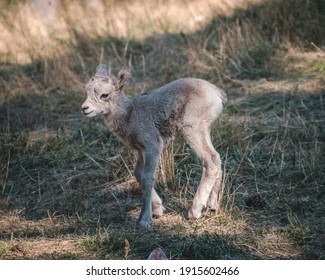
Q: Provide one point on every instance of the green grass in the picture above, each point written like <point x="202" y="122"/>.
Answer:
<point x="59" y="171"/>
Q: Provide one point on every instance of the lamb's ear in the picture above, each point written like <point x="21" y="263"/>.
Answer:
<point x="102" y="70"/>
<point x="122" y="78"/>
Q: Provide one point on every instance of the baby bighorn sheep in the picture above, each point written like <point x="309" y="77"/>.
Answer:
<point x="147" y="123"/>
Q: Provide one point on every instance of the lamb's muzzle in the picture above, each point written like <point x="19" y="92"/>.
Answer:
<point x="84" y="110"/>
<point x="148" y="123"/>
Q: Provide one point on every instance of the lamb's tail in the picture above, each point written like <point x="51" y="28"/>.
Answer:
<point x="223" y="97"/>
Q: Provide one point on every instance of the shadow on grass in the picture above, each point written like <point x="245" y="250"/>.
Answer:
<point x="61" y="169"/>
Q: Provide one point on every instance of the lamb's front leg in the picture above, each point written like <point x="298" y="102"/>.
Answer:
<point x="157" y="208"/>
<point x="151" y="157"/>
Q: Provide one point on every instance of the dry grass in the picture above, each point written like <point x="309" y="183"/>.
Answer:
<point x="62" y="190"/>
<point x="25" y="30"/>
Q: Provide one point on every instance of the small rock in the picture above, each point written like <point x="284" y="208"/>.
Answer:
<point x="157" y="254"/>
<point x="255" y="201"/>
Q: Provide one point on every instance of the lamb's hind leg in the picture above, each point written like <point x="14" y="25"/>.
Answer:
<point x="157" y="207"/>
<point x="199" y="139"/>
<point x="215" y="198"/>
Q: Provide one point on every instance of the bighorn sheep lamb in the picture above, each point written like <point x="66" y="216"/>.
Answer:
<point x="147" y="123"/>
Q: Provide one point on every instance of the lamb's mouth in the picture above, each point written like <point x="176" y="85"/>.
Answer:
<point x="86" y="114"/>
<point x="95" y="114"/>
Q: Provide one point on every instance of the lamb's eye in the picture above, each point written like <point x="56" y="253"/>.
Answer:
<point x="104" y="96"/>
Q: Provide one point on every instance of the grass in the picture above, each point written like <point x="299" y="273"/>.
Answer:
<point x="61" y="176"/>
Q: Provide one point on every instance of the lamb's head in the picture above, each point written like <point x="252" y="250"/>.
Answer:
<point x="103" y="91"/>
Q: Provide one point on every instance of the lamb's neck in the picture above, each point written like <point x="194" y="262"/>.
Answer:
<point x="117" y="119"/>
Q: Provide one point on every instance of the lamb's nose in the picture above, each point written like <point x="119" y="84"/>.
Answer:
<point x="84" y="109"/>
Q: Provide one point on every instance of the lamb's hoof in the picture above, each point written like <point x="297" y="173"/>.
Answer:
<point x="215" y="209"/>
<point x="212" y="206"/>
<point x="193" y="216"/>
<point x="142" y="224"/>
<point x="158" y="212"/>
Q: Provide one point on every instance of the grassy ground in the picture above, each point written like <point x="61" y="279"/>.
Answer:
<point x="62" y="191"/>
